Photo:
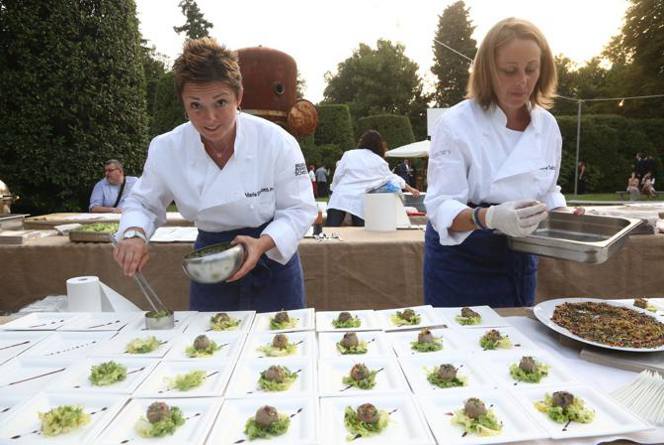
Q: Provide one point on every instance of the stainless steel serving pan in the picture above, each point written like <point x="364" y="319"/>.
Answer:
<point x="584" y="238"/>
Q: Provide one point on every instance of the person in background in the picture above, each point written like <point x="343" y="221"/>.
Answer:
<point x="633" y="187"/>
<point x="312" y="178"/>
<point x="647" y="186"/>
<point x="321" y="181"/>
<point x="404" y="170"/>
<point x="110" y="193"/>
<point x="493" y="170"/>
<point x="581" y="185"/>
<point x="358" y="171"/>
<point x="240" y="178"/>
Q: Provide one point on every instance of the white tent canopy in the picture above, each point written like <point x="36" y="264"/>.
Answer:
<point x="415" y="150"/>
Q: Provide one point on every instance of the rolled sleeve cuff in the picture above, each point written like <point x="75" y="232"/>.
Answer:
<point x="443" y="219"/>
<point x="132" y="218"/>
<point x="284" y="239"/>
<point x="554" y="200"/>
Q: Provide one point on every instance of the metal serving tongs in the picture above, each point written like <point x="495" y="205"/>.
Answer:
<point x="160" y="317"/>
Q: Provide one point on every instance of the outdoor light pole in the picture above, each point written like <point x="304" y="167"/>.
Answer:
<point x="578" y="145"/>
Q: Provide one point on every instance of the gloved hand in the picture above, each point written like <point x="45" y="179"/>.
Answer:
<point x="516" y="218"/>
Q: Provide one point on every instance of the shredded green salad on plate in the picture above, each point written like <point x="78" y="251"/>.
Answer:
<point x="368" y="382"/>
<point x="435" y="345"/>
<point x="163" y="427"/>
<point x="208" y="351"/>
<point x="63" y="419"/>
<point x="485" y="425"/>
<point x="188" y="381"/>
<point x="467" y="321"/>
<point x="360" y="348"/>
<point x="287" y="380"/>
<point x="575" y="412"/>
<point x="493" y="339"/>
<point x="434" y="378"/>
<point x="353" y="322"/>
<point x="107" y="373"/>
<point x="277" y="428"/>
<point x="357" y="427"/>
<point x="143" y="345"/>
<point x="271" y="351"/>
<point x="406" y="318"/>
<point x="223" y="322"/>
<point x="287" y="324"/>
<point x="541" y="370"/>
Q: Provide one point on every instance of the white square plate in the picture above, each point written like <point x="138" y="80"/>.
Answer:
<point x="610" y="418"/>
<point x="367" y="319"/>
<point x="7" y="403"/>
<point x="332" y="371"/>
<point x="182" y="319"/>
<point x="199" y="415"/>
<point x="517" y="425"/>
<point x="230" y="342"/>
<point x="157" y="383"/>
<point x="407" y="425"/>
<point x="417" y="368"/>
<point x="68" y="345"/>
<point x="117" y="346"/>
<point x="499" y="364"/>
<point x="453" y="342"/>
<point x="519" y="341"/>
<point x="13" y="344"/>
<point x="102" y="321"/>
<point x="76" y="379"/>
<point x="24" y="420"/>
<point x="428" y="318"/>
<point x="377" y="345"/>
<point x="201" y="321"/>
<point x="29" y="376"/>
<point x="229" y="426"/>
<point x="305" y="321"/>
<point x="244" y="382"/>
<point x="490" y="318"/>
<point x="40" y="321"/>
<point x="305" y="341"/>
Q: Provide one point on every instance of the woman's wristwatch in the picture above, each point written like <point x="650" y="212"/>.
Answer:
<point x="133" y="233"/>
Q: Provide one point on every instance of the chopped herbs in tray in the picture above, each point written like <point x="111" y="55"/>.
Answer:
<point x="350" y="344"/>
<point x="107" y="373"/>
<point x="563" y="407"/>
<point x="202" y="347"/>
<point x="477" y="419"/>
<point x="528" y="370"/>
<point x="99" y="228"/>
<point x="360" y="377"/>
<point x="143" y="345"/>
<point x="426" y="342"/>
<point x="468" y="317"/>
<point x="280" y="347"/>
<point x="406" y="318"/>
<point x="276" y="378"/>
<point x="366" y="421"/>
<point x="345" y="320"/>
<point x="160" y="420"/>
<point x="266" y="423"/>
<point x="446" y="376"/>
<point x="63" y="419"/>
<point x="223" y="322"/>
<point x="185" y="382"/>
<point x="493" y="339"/>
<point x="281" y="320"/>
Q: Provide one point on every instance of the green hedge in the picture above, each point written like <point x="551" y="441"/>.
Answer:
<point x="395" y="129"/>
<point x="167" y="111"/>
<point x="72" y="95"/>
<point x="334" y="126"/>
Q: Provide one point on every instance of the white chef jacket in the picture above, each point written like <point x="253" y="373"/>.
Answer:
<point x="358" y="171"/>
<point x="265" y="179"/>
<point x="473" y="159"/>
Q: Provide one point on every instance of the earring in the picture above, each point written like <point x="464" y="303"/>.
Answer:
<point x="186" y="116"/>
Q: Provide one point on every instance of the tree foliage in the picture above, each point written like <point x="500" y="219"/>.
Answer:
<point x="196" y="26"/>
<point x="334" y="126"/>
<point x="154" y="68"/>
<point x="72" y="91"/>
<point x="450" y="69"/>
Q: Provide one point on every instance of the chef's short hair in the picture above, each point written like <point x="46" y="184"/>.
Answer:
<point x="372" y="140"/>
<point x="484" y="72"/>
<point x="205" y="60"/>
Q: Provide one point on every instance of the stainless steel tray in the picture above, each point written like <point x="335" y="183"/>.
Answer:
<point x="585" y="238"/>
<point x="12" y="221"/>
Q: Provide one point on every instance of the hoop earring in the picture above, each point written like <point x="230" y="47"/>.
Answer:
<point x="186" y="116"/>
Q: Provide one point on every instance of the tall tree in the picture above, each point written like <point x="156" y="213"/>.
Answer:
<point x="154" y="68"/>
<point x="196" y="26"/>
<point x="451" y="69"/>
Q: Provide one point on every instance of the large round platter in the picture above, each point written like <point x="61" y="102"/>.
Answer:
<point x="544" y="311"/>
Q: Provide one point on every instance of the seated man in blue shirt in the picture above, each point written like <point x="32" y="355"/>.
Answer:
<point x="109" y="194"/>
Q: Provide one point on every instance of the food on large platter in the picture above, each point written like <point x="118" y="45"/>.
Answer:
<point x="468" y="317"/>
<point x="276" y="378"/>
<point x="160" y="420"/>
<point x="282" y="320"/>
<point x="360" y="377"/>
<point x="493" y="339"/>
<point x="610" y="324"/>
<point x="63" y="419"/>
<point x="188" y="381"/>
<point x="406" y="318"/>
<point x="266" y="423"/>
<point x="477" y="419"/>
<point x="350" y="344"/>
<point x="529" y="370"/>
<point x="426" y="342"/>
<point x="446" y="376"/>
<point x="202" y="347"/>
<point x="366" y="421"/>
<point x="143" y="345"/>
<point x="107" y="373"/>
<point x="345" y="320"/>
<point x="279" y="347"/>
<point x="223" y="322"/>
<point x="564" y="407"/>
<point x="643" y="303"/>
<point x="99" y="228"/>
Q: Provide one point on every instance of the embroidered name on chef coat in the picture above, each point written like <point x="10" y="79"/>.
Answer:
<point x="300" y="169"/>
<point x="548" y="167"/>
<point x="258" y="193"/>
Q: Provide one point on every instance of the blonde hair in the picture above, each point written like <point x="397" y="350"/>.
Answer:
<point x="205" y="60"/>
<point x="481" y="84"/>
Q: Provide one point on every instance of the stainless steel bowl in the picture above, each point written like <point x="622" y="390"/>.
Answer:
<point x="166" y="321"/>
<point x="213" y="264"/>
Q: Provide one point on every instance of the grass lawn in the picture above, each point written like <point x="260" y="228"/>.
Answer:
<point x="607" y="197"/>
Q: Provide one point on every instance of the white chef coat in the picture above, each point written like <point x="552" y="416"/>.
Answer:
<point x="475" y="158"/>
<point x="265" y="179"/>
<point x="358" y="171"/>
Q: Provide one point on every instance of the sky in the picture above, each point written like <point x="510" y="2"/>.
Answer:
<point x="319" y="37"/>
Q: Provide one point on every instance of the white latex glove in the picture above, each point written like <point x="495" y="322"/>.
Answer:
<point x="516" y="218"/>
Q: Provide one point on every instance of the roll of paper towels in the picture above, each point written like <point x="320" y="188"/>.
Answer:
<point x="380" y="212"/>
<point x="84" y="294"/>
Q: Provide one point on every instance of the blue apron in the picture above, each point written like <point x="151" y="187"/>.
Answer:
<point x="482" y="270"/>
<point x="269" y="287"/>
